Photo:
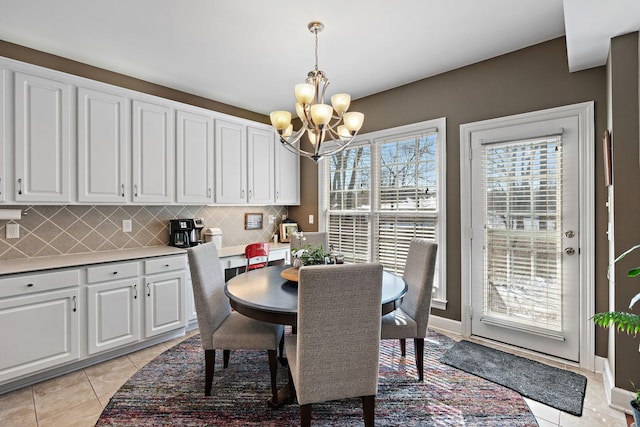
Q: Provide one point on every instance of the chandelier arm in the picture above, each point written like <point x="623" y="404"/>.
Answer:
<point x="295" y="149"/>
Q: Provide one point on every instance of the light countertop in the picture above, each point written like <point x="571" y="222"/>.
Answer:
<point x="74" y="260"/>
<point x="24" y="265"/>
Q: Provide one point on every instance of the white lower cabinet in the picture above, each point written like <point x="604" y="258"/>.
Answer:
<point x="164" y="305"/>
<point x="61" y="318"/>
<point x="39" y="327"/>
<point x="113" y="306"/>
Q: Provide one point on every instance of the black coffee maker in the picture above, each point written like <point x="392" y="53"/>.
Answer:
<point x="181" y="232"/>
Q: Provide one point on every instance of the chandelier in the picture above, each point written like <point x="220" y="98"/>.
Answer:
<point x="322" y="123"/>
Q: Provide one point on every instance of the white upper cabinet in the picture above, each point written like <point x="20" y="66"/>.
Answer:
<point x="287" y="172"/>
<point x="65" y="139"/>
<point x="44" y="134"/>
<point x="231" y="162"/>
<point x="261" y="161"/>
<point x="194" y="158"/>
<point x="103" y="146"/>
<point x="153" y="153"/>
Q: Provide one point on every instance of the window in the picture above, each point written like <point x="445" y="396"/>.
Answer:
<point x="384" y="190"/>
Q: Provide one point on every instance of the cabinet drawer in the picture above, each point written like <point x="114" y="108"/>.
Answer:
<point x="160" y="265"/>
<point x="112" y="271"/>
<point x="32" y="283"/>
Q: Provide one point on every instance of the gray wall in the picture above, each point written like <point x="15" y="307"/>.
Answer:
<point x="530" y="79"/>
<point x="625" y="128"/>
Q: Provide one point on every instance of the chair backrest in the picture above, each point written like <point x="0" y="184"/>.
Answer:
<point x="315" y="238"/>
<point x="338" y="337"/>
<point x="418" y="273"/>
<point x="207" y="279"/>
<point x="257" y="255"/>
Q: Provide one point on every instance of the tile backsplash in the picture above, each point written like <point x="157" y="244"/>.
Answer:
<point x="73" y="229"/>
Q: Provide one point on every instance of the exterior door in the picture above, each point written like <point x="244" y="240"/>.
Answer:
<point x="525" y="272"/>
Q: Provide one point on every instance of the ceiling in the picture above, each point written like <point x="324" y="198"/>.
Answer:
<point x="250" y="53"/>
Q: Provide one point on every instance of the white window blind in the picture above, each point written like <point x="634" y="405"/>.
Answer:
<point x="522" y="183"/>
<point x="379" y="196"/>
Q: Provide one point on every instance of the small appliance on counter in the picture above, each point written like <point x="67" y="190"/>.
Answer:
<point x="196" y="235"/>
<point x="213" y="235"/>
<point x="184" y="233"/>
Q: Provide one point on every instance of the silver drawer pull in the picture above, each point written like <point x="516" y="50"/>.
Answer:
<point x="30" y="285"/>
<point x="148" y="289"/>
<point x="115" y="272"/>
<point x="135" y="291"/>
<point x="75" y="304"/>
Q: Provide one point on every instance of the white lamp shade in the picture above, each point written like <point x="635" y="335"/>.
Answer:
<point x="280" y="120"/>
<point x="300" y="112"/>
<point x="321" y="113"/>
<point x="341" y="102"/>
<point x="313" y="138"/>
<point x="343" y="132"/>
<point x="304" y="93"/>
<point x="353" y="120"/>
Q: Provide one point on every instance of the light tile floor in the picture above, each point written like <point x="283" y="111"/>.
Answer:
<point x="78" y="398"/>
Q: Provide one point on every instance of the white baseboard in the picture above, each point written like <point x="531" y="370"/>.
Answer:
<point x="444" y="324"/>
<point x="617" y="398"/>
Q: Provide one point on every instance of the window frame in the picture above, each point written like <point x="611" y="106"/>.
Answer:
<point x="373" y="140"/>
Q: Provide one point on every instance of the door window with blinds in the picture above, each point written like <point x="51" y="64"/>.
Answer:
<point x="384" y="191"/>
<point x="522" y="188"/>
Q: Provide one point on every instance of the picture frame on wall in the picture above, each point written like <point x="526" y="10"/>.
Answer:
<point x="253" y="221"/>
<point x="286" y="229"/>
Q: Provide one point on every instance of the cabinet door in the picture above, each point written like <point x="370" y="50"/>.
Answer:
<point x="113" y="314"/>
<point x="43" y="139"/>
<point x="38" y="331"/>
<point x="287" y="173"/>
<point x="153" y="153"/>
<point x="260" y="166"/>
<point x="231" y="163"/>
<point x="194" y="158"/>
<point x="164" y="303"/>
<point x="4" y="132"/>
<point x="103" y="145"/>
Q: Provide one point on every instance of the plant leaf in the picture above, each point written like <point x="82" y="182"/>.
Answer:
<point x="634" y="300"/>
<point x="624" y="322"/>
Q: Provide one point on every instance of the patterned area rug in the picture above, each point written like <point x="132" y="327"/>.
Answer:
<point x="170" y="391"/>
<point x="558" y="388"/>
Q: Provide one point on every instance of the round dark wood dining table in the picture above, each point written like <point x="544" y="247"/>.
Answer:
<point x="265" y="295"/>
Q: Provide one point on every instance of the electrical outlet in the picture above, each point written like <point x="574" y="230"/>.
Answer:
<point x="13" y="231"/>
<point x="272" y="219"/>
<point x="310" y="219"/>
<point x="126" y="226"/>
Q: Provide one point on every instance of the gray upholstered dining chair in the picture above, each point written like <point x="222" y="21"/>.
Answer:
<point x="335" y="353"/>
<point x="410" y="320"/>
<point x="220" y="327"/>
<point x="313" y="238"/>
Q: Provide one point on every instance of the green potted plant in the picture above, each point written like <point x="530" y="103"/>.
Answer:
<point x="625" y="322"/>
<point x="310" y="255"/>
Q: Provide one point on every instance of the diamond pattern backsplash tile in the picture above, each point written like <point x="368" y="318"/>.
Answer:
<point x="74" y="229"/>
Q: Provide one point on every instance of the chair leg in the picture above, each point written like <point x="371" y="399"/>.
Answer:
<point x="403" y="347"/>
<point x="418" y="346"/>
<point x="273" y="369"/>
<point x="209" y="364"/>
<point x="225" y="358"/>
<point x="369" y="410"/>
<point x="283" y="362"/>
<point x="305" y="415"/>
